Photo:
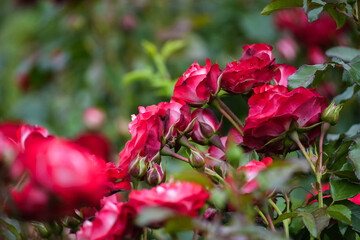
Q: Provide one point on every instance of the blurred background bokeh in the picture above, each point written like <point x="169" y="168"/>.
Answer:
<point x="63" y="61"/>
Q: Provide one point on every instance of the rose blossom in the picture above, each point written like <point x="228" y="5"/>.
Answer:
<point x="62" y="176"/>
<point x="282" y="73"/>
<point x="96" y="143"/>
<point x="113" y="221"/>
<point x="274" y="111"/>
<point x="149" y="126"/>
<point x="198" y="84"/>
<point x="255" y="67"/>
<point x="182" y="197"/>
<point x="324" y="187"/>
<point x="250" y="170"/>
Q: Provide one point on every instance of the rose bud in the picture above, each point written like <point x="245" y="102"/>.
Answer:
<point x="205" y="126"/>
<point x="198" y="84"/>
<point x="331" y="113"/>
<point x="155" y="175"/>
<point x="316" y="56"/>
<point x="197" y="159"/>
<point x="138" y="167"/>
<point x="93" y="117"/>
<point x="287" y="48"/>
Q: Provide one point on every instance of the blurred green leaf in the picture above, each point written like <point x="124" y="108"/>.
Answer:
<point x="218" y="198"/>
<point x="152" y="215"/>
<point x="171" y="47"/>
<point x="150" y="48"/>
<point x="345" y="53"/>
<point x="354" y="156"/>
<point x="138" y="75"/>
<point x="342" y="189"/>
<point x="340" y="212"/>
<point x="192" y="175"/>
<point x="11" y="228"/>
<point x="307" y="74"/>
<point x="313" y="14"/>
<point x="280" y="4"/>
<point x="178" y="224"/>
<point x="284" y="216"/>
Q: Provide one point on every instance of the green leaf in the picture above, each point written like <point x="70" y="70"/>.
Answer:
<point x="342" y="189"/>
<point x="171" y="47"/>
<point x="347" y="94"/>
<point x="345" y="53"/>
<point x="178" y="224"/>
<point x="354" y="156"/>
<point x="280" y="4"/>
<point x="322" y="219"/>
<point x="192" y="175"/>
<point x="339" y="18"/>
<point x="138" y="75"/>
<point x="150" y="48"/>
<point x="218" y="198"/>
<point x="340" y="212"/>
<point x="153" y="215"/>
<point x="307" y="74"/>
<point x="285" y="216"/>
<point x="313" y="14"/>
<point x="309" y="221"/>
<point x="11" y="228"/>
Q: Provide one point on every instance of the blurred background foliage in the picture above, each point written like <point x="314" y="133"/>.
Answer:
<point x="57" y="58"/>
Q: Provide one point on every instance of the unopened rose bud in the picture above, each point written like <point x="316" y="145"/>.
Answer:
<point x="197" y="159"/>
<point x="138" y="167"/>
<point x="42" y="230"/>
<point x="205" y="126"/>
<point x="331" y="113"/>
<point x="155" y="175"/>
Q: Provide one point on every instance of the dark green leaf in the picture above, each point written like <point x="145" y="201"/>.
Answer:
<point x="322" y="219"/>
<point x="280" y="4"/>
<point x="340" y="212"/>
<point x="345" y="53"/>
<point x="284" y="216"/>
<point x="306" y="75"/>
<point x="354" y="156"/>
<point x="339" y="18"/>
<point x="309" y="221"/>
<point x="342" y="189"/>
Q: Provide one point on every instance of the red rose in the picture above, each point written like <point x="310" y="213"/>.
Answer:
<point x="113" y="221"/>
<point x="274" y="111"/>
<point x="197" y="84"/>
<point x="149" y="126"/>
<point x="182" y="197"/>
<point x="282" y="73"/>
<point x="206" y="125"/>
<point x="255" y="67"/>
<point x="65" y="173"/>
<point x="250" y="170"/>
<point x="321" y="32"/>
<point x="96" y="143"/>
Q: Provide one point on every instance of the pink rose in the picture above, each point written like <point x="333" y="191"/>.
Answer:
<point x="255" y="67"/>
<point x="198" y="84"/>
<point x="287" y="48"/>
<point x="182" y="197"/>
<point x="282" y="73"/>
<point x="274" y="111"/>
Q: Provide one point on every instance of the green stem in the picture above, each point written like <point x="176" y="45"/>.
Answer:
<point x="145" y="234"/>
<point x="261" y="214"/>
<point x="228" y="110"/>
<point x="213" y="174"/>
<point x="166" y="151"/>
<point x="286" y="222"/>
<point x="295" y="137"/>
<point x="319" y="166"/>
<point x="217" y="105"/>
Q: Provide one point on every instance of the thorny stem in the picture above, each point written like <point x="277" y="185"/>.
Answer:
<point x="216" y="104"/>
<point x="271" y="224"/>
